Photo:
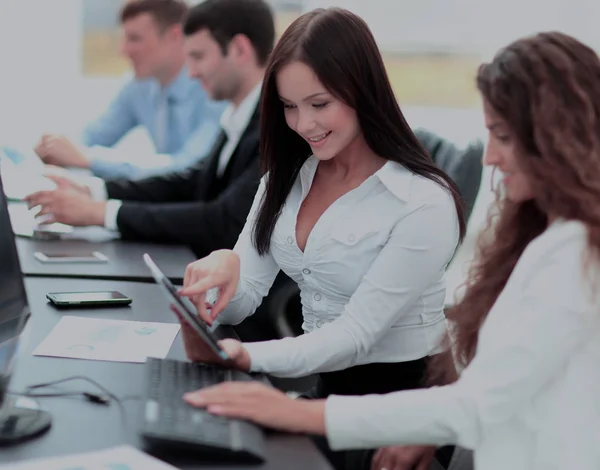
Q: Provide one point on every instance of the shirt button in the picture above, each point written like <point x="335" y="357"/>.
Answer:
<point x="290" y="240"/>
<point x="306" y="271"/>
<point x="351" y="238"/>
<point x="319" y="323"/>
<point x="317" y="297"/>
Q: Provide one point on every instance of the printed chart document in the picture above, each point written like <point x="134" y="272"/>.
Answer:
<point x="108" y="340"/>
<point x="116" y="458"/>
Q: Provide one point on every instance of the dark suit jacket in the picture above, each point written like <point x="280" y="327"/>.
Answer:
<point x="193" y="207"/>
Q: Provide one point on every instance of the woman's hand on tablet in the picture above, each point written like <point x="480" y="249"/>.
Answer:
<point x="220" y="269"/>
<point x="237" y="353"/>
<point x="197" y="350"/>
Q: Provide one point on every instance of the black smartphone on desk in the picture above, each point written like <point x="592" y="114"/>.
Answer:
<point x="88" y="299"/>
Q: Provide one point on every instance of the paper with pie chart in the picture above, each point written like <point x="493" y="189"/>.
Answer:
<point x="108" y="340"/>
<point x="116" y="458"/>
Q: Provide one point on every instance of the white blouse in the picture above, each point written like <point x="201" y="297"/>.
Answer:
<point x="530" y="399"/>
<point x="371" y="276"/>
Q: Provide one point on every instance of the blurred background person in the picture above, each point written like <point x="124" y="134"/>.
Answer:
<point x="180" y="118"/>
<point x="205" y="207"/>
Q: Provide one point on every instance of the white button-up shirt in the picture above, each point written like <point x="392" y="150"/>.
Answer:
<point x="234" y="121"/>
<point x="530" y="399"/>
<point x="371" y="275"/>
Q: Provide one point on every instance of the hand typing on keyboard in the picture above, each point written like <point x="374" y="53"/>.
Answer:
<point x="197" y="351"/>
<point x="263" y="405"/>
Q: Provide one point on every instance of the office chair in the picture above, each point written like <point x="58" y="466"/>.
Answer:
<point x="286" y="310"/>
<point x="462" y="459"/>
<point x="463" y="165"/>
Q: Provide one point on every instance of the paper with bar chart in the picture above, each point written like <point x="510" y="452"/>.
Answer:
<point x="108" y="340"/>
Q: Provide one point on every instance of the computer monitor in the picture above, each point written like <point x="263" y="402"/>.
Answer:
<point x="17" y="421"/>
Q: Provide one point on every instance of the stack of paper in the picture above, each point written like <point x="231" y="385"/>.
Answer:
<point x="23" y="179"/>
<point x="108" y="340"/>
<point x="24" y="224"/>
<point x="116" y="458"/>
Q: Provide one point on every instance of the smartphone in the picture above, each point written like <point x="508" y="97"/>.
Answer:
<point x="90" y="257"/>
<point x="185" y="308"/>
<point x="88" y="299"/>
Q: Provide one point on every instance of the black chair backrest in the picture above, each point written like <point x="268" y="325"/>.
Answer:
<point x="463" y="165"/>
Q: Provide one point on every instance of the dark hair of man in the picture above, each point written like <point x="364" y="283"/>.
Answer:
<point x="225" y="19"/>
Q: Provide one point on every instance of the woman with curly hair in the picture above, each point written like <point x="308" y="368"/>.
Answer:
<point x="527" y="331"/>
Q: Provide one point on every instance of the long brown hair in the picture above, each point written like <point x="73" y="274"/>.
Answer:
<point x="547" y="89"/>
<point x="341" y="50"/>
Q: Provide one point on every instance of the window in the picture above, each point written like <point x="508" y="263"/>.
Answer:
<point x="431" y="47"/>
<point x="100" y="48"/>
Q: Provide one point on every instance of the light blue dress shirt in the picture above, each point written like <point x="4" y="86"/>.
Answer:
<point x="192" y="125"/>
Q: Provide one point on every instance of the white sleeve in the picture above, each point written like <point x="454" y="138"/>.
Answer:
<point x="257" y="273"/>
<point x="111" y="213"/>
<point x="418" y="250"/>
<point x="555" y="318"/>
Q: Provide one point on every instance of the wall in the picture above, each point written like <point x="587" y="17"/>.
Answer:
<point x="39" y="52"/>
<point x="468" y="26"/>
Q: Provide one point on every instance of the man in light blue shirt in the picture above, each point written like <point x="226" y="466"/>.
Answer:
<point x="181" y="120"/>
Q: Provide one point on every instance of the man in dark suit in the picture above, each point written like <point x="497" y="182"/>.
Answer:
<point x="205" y="207"/>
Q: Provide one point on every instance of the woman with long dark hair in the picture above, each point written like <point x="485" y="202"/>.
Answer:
<point x="527" y="331"/>
<point x="352" y="208"/>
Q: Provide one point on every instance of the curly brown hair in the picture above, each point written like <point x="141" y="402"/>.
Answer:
<point x="547" y="89"/>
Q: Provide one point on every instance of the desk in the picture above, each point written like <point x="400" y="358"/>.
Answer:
<point x="124" y="259"/>
<point x="79" y="426"/>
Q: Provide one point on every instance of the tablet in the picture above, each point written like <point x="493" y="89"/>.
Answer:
<point x="185" y="308"/>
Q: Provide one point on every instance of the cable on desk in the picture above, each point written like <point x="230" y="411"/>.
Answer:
<point x="93" y="397"/>
<point x="102" y="399"/>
